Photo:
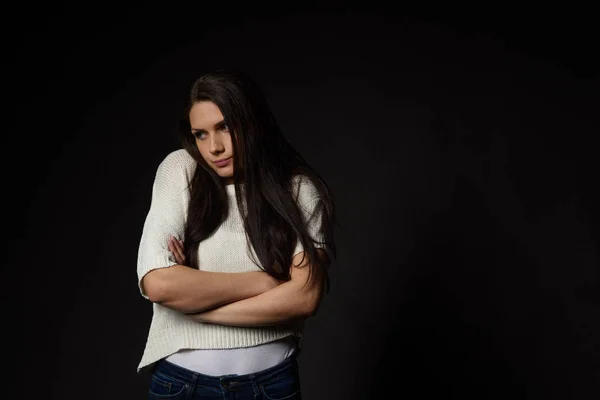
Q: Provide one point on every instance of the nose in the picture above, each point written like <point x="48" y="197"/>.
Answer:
<point x="215" y="145"/>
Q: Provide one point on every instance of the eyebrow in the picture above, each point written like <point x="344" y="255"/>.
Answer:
<point x="217" y="125"/>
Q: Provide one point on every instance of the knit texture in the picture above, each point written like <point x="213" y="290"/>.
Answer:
<point x="226" y="250"/>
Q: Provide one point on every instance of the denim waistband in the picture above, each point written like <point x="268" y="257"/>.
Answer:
<point x="224" y="381"/>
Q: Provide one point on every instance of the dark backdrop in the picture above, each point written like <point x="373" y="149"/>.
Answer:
<point x="459" y="144"/>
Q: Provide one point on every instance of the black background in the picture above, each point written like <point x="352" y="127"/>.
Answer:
<point x="459" y="142"/>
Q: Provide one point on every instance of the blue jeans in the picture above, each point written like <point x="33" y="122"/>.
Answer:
<point x="170" y="381"/>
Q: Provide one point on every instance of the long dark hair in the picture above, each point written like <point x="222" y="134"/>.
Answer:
<point x="266" y="166"/>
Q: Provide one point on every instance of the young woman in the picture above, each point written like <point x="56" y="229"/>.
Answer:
<point x="234" y="251"/>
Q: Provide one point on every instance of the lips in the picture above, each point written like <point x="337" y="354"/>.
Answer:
<point x="223" y="162"/>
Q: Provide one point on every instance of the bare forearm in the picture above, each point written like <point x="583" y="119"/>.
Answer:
<point x="283" y="304"/>
<point x="190" y="290"/>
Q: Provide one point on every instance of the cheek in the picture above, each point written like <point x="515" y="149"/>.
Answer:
<point x="203" y="152"/>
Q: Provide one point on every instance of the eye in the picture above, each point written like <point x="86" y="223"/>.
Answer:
<point x="224" y="127"/>
<point x="198" y="134"/>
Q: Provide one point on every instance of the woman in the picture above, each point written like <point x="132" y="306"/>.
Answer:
<point x="257" y="222"/>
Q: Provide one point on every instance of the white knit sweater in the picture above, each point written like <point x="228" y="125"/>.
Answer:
<point x="226" y="250"/>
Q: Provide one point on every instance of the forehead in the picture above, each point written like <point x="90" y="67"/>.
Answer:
<point x="205" y="114"/>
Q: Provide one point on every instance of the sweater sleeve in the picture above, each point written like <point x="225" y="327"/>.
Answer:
<point x="167" y="214"/>
<point x="308" y="198"/>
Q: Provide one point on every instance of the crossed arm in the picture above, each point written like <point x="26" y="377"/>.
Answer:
<point x="287" y="302"/>
<point x="235" y="299"/>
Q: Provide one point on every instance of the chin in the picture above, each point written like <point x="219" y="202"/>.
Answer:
<point x="225" y="175"/>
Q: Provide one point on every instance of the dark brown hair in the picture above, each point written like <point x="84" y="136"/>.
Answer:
<point x="266" y="165"/>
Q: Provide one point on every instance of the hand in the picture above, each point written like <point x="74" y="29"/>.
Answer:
<point x="176" y="248"/>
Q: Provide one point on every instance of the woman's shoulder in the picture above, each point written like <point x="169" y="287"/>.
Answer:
<point x="303" y="188"/>
<point x="178" y="159"/>
<point x="177" y="164"/>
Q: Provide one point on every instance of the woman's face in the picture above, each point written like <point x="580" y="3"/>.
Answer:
<point x="212" y="138"/>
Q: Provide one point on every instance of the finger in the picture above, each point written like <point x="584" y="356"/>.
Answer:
<point x="172" y="250"/>
<point x="176" y="254"/>
<point x="182" y="248"/>
<point x="179" y="250"/>
<point x="182" y="255"/>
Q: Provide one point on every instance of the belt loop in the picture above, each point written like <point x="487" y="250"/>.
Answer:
<point x="191" y="387"/>
<point x="255" y="386"/>
<point x="194" y="378"/>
